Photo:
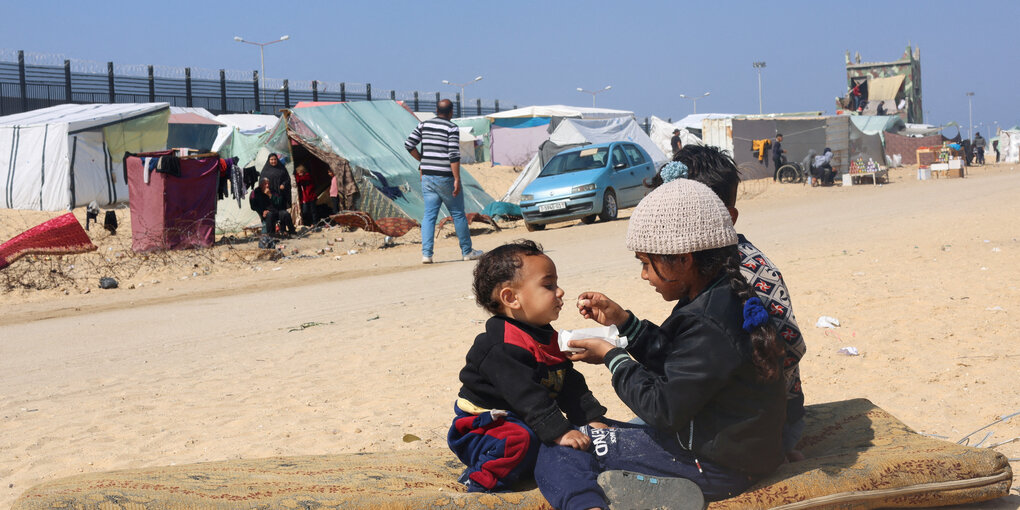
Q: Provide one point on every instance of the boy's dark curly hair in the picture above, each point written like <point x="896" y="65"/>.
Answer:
<point x="500" y="266"/>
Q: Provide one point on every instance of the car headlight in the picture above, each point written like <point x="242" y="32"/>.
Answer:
<point x="527" y="197"/>
<point x="585" y="187"/>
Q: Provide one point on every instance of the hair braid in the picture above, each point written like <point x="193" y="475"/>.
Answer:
<point x="767" y="352"/>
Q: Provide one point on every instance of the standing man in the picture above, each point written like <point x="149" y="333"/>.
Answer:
<point x="979" y="148"/>
<point x="675" y="142"/>
<point x="777" y="155"/>
<point x="440" y="178"/>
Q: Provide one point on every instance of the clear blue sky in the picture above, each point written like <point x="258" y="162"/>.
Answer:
<point x="540" y="52"/>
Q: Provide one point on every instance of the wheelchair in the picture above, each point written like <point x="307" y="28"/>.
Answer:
<point x="794" y="172"/>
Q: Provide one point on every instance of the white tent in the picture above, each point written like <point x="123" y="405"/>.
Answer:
<point x="558" y="110"/>
<point x="66" y="156"/>
<point x="516" y="134"/>
<point x="661" y="133"/>
<point x="573" y="132"/>
<point x="694" y="120"/>
<point x="467" y="145"/>
<point x="245" y="123"/>
<point x="1009" y="145"/>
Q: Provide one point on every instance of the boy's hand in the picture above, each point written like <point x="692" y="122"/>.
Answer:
<point x="574" y="439"/>
<point x="597" y="307"/>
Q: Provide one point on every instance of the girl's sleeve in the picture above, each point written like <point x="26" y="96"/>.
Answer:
<point x="671" y="377"/>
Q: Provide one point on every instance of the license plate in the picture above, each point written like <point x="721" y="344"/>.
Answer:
<point x="555" y="206"/>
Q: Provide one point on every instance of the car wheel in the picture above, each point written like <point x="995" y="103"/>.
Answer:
<point x="588" y="220"/>
<point x="788" y="173"/>
<point x="609" y="207"/>
<point x="532" y="227"/>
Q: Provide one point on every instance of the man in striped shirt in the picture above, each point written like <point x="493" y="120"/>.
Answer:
<point x="440" y="178"/>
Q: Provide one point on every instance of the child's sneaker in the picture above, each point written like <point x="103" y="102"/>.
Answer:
<point x="425" y="259"/>
<point x="627" y="490"/>
<point x="474" y="255"/>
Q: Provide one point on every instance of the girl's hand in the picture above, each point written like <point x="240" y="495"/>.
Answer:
<point x="597" y="307"/>
<point x="598" y="425"/>
<point x="574" y="439"/>
<point x="594" y="352"/>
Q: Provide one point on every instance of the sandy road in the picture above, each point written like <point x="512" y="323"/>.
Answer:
<point x="222" y="369"/>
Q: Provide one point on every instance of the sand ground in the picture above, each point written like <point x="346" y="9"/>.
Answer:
<point x="218" y="354"/>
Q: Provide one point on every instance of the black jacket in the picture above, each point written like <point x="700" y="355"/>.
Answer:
<point x="520" y="368"/>
<point x="696" y="368"/>
<point x="278" y="175"/>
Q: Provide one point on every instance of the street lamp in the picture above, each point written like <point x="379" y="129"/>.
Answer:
<point x="695" y="99"/>
<point x="970" y="115"/>
<point x="759" y="66"/>
<point x="594" y="92"/>
<point x="262" y="58"/>
<point x="463" y="99"/>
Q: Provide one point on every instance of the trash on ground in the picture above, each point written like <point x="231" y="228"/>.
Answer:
<point x="827" y="322"/>
<point x="849" y="351"/>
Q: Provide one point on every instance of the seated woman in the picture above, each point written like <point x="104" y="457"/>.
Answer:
<point x="268" y="204"/>
<point x="821" y="168"/>
<point x="707" y="381"/>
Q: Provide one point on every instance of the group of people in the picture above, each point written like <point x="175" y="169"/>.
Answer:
<point x="715" y="386"/>
<point x="272" y="201"/>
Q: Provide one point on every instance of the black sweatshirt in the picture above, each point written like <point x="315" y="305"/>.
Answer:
<point x="696" y="368"/>
<point x="519" y="368"/>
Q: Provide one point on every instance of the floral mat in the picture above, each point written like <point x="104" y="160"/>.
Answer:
<point x="858" y="457"/>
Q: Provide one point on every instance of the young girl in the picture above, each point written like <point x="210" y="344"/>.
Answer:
<point x="517" y="385"/>
<point x="306" y="185"/>
<point x="334" y="191"/>
<point x="707" y="381"/>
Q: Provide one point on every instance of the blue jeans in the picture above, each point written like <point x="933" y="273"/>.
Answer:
<point x="438" y="191"/>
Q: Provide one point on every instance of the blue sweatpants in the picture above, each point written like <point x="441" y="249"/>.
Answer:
<point x="497" y="450"/>
<point x="568" y="477"/>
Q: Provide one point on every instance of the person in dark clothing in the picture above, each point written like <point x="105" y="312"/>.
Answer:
<point x="278" y="177"/>
<point x="708" y="382"/>
<point x="967" y="154"/>
<point x="979" y="148"/>
<point x="778" y="158"/>
<point x="995" y="147"/>
<point x="516" y="384"/>
<point x="268" y="204"/>
<point x="675" y="142"/>
<point x="821" y="168"/>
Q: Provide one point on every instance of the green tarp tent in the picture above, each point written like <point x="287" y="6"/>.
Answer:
<point x="370" y="136"/>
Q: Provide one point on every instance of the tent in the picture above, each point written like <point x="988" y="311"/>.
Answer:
<point x="66" y="156"/>
<point x="193" y="128"/>
<point x="245" y="123"/>
<point x="878" y="124"/>
<point x="570" y="133"/>
<point x="906" y="146"/>
<point x="661" y="133"/>
<point x="693" y="122"/>
<point x="171" y="211"/>
<point x="369" y="137"/>
<point x="1009" y="145"/>
<point x="516" y="134"/>
<point x="480" y="129"/>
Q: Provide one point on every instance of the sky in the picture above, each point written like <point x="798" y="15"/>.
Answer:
<point x="540" y="52"/>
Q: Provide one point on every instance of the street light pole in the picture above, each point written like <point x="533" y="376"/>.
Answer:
<point x="594" y="92"/>
<point x="970" y="115"/>
<point x="759" y="66"/>
<point x="463" y="98"/>
<point x="262" y="59"/>
<point x="695" y="99"/>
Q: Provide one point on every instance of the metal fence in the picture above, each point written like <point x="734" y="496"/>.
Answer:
<point x="29" y="86"/>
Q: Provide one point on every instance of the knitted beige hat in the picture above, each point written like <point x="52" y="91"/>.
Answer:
<point x="681" y="216"/>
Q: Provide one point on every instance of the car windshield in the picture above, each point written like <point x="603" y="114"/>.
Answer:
<point x="585" y="159"/>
